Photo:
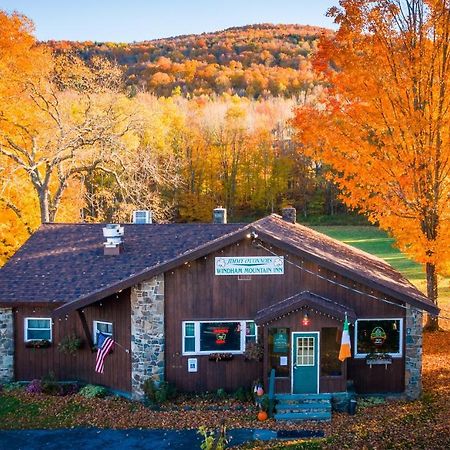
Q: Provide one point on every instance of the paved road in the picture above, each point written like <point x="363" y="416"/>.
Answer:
<point x="91" y="438"/>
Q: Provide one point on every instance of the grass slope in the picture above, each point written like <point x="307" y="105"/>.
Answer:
<point x="377" y="242"/>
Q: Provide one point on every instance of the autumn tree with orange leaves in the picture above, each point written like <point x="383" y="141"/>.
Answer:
<point x="59" y="119"/>
<point x="384" y="129"/>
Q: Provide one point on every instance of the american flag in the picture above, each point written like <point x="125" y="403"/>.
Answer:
<point x="105" y="348"/>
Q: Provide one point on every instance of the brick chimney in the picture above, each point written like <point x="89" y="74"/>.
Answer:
<point x="114" y="242"/>
<point x="289" y="214"/>
<point x="219" y="215"/>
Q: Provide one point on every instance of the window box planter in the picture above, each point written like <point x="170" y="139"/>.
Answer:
<point x="43" y="343"/>
<point x="378" y="359"/>
<point x="220" y="357"/>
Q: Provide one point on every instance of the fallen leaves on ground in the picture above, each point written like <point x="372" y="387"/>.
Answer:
<point x="423" y="424"/>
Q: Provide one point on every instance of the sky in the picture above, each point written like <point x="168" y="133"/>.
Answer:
<point x="138" y="20"/>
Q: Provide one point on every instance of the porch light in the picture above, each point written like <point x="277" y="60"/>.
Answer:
<point x="305" y="320"/>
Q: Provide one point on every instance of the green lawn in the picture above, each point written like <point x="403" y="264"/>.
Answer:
<point x="375" y="241"/>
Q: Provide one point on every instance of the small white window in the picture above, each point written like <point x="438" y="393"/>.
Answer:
<point x="38" y="328"/>
<point x="251" y="332"/>
<point x="105" y="328"/>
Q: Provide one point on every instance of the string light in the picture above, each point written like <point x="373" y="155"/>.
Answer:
<point x="338" y="284"/>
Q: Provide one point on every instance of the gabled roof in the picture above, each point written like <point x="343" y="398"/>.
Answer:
<point x="64" y="263"/>
<point x="341" y="258"/>
<point x="300" y="301"/>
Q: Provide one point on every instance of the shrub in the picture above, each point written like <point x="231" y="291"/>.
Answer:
<point x="93" y="391"/>
<point x="159" y="393"/>
<point x="35" y="387"/>
<point x="367" y="402"/>
<point x="220" y="393"/>
<point x="70" y="388"/>
<point x="50" y="385"/>
<point x="14" y="386"/>
<point x="243" y="395"/>
<point x="70" y="344"/>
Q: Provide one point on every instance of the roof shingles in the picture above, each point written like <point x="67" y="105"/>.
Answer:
<point x="65" y="262"/>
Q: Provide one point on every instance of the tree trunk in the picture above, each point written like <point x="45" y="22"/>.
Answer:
<point x="432" y="292"/>
<point x="44" y="206"/>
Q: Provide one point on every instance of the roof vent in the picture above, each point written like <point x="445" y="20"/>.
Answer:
<point x="142" y="217"/>
<point x="114" y="242"/>
<point x="219" y="215"/>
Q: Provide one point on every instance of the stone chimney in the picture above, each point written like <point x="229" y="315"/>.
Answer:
<point x="114" y="242"/>
<point x="289" y="214"/>
<point x="219" y="215"/>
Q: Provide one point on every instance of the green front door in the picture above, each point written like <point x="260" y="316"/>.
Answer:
<point x="305" y="363"/>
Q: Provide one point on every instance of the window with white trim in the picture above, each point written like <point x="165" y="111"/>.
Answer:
<point x="224" y="336"/>
<point x="378" y="336"/>
<point x="105" y="328"/>
<point x="251" y="332"/>
<point x="38" y="328"/>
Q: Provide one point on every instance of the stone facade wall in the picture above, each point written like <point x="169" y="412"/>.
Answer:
<point x="6" y="345"/>
<point x="147" y="333"/>
<point x="413" y="353"/>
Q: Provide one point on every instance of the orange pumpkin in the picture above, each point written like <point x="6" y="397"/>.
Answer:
<point x="262" y="415"/>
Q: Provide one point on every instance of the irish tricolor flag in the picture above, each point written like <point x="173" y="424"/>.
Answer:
<point x="345" y="351"/>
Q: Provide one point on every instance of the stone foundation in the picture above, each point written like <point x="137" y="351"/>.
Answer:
<point x="413" y="353"/>
<point x="6" y="345"/>
<point x="147" y="333"/>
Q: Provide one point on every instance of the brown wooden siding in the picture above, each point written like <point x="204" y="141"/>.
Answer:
<point x="317" y="322"/>
<point x="378" y="378"/>
<point x="193" y="292"/>
<point x="35" y="363"/>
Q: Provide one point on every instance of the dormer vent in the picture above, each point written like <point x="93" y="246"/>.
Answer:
<point x="142" y="217"/>
<point x="113" y="233"/>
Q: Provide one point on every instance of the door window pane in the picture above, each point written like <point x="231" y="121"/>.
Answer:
<point x="305" y="351"/>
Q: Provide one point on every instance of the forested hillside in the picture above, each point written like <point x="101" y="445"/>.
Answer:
<point x="92" y="131"/>
<point x="252" y="61"/>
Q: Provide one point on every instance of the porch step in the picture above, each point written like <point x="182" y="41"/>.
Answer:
<point x="321" y="406"/>
<point x="303" y="397"/>
<point x="297" y="416"/>
<point x="296" y="407"/>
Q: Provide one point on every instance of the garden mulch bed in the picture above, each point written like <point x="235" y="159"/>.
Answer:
<point x="422" y="424"/>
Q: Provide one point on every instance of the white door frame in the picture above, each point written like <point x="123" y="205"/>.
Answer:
<point x="292" y="356"/>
